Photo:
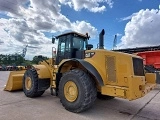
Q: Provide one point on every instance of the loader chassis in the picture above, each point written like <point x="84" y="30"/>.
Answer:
<point x="119" y="75"/>
<point x="78" y="73"/>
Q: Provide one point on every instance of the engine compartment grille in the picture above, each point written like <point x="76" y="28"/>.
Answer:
<point x="111" y="68"/>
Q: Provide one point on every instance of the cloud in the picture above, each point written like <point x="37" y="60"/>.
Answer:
<point x="81" y="27"/>
<point x="30" y="19"/>
<point x="98" y="9"/>
<point x="127" y="18"/>
<point x="142" y="30"/>
<point x="91" y="5"/>
<point x="12" y="7"/>
<point x="1" y="41"/>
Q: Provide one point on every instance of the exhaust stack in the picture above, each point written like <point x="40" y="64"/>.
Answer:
<point x="101" y="39"/>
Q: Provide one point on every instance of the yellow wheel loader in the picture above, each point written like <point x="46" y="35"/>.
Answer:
<point x="79" y="74"/>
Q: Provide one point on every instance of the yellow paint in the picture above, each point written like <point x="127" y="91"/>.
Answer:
<point x="114" y="91"/>
<point x="123" y="65"/>
<point x="43" y="71"/>
<point x="70" y="91"/>
<point x="28" y="83"/>
<point x="120" y="92"/>
<point x="148" y="88"/>
<point x="21" y="67"/>
<point x="14" y="81"/>
<point x="116" y="70"/>
<point x="67" y="66"/>
<point x="48" y="71"/>
<point x="150" y="77"/>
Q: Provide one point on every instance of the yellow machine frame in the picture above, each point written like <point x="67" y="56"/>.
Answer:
<point x="113" y="74"/>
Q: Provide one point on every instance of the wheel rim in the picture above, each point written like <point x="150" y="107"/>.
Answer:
<point x="70" y="91"/>
<point x="28" y="83"/>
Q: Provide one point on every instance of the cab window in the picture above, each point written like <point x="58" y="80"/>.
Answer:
<point x="79" y="43"/>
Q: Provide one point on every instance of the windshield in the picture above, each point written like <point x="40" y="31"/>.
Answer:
<point x="79" y="43"/>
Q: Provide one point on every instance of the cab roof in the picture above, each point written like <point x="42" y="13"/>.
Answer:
<point x="73" y="32"/>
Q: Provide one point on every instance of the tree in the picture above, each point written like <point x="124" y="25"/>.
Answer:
<point x="36" y="60"/>
<point x="11" y="59"/>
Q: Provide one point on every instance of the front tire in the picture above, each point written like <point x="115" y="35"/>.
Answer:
<point x="77" y="91"/>
<point x="30" y="84"/>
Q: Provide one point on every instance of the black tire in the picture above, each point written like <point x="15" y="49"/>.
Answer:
<point x="104" y="97"/>
<point x="87" y="92"/>
<point x="33" y="91"/>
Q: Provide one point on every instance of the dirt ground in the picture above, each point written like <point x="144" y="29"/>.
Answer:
<point x="16" y="106"/>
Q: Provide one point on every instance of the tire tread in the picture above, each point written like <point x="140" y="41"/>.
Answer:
<point x="34" y="92"/>
<point x="90" y="90"/>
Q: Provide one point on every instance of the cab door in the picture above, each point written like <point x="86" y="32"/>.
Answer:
<point x="64" y="48"/>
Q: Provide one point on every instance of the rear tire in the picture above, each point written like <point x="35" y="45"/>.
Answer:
<point x="77" y="91"/>
<point x="30" y="84"/>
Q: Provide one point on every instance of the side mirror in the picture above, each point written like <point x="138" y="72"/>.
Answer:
<point x="53" y="40"/>
<point x="89" y="47"/>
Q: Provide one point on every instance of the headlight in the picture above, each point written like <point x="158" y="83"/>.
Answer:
<point x="89" y="54"/>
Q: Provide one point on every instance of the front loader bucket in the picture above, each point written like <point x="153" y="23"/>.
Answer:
<point x="14" y="81"/>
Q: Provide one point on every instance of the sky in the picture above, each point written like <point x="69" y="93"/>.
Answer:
<point x="33" y="22"/>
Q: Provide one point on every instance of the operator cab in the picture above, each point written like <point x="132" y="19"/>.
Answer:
<point x="71" y="45"/>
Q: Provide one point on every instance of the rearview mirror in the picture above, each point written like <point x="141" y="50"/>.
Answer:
<point x="53" y="40"/>
<point x="89" y="47"/>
